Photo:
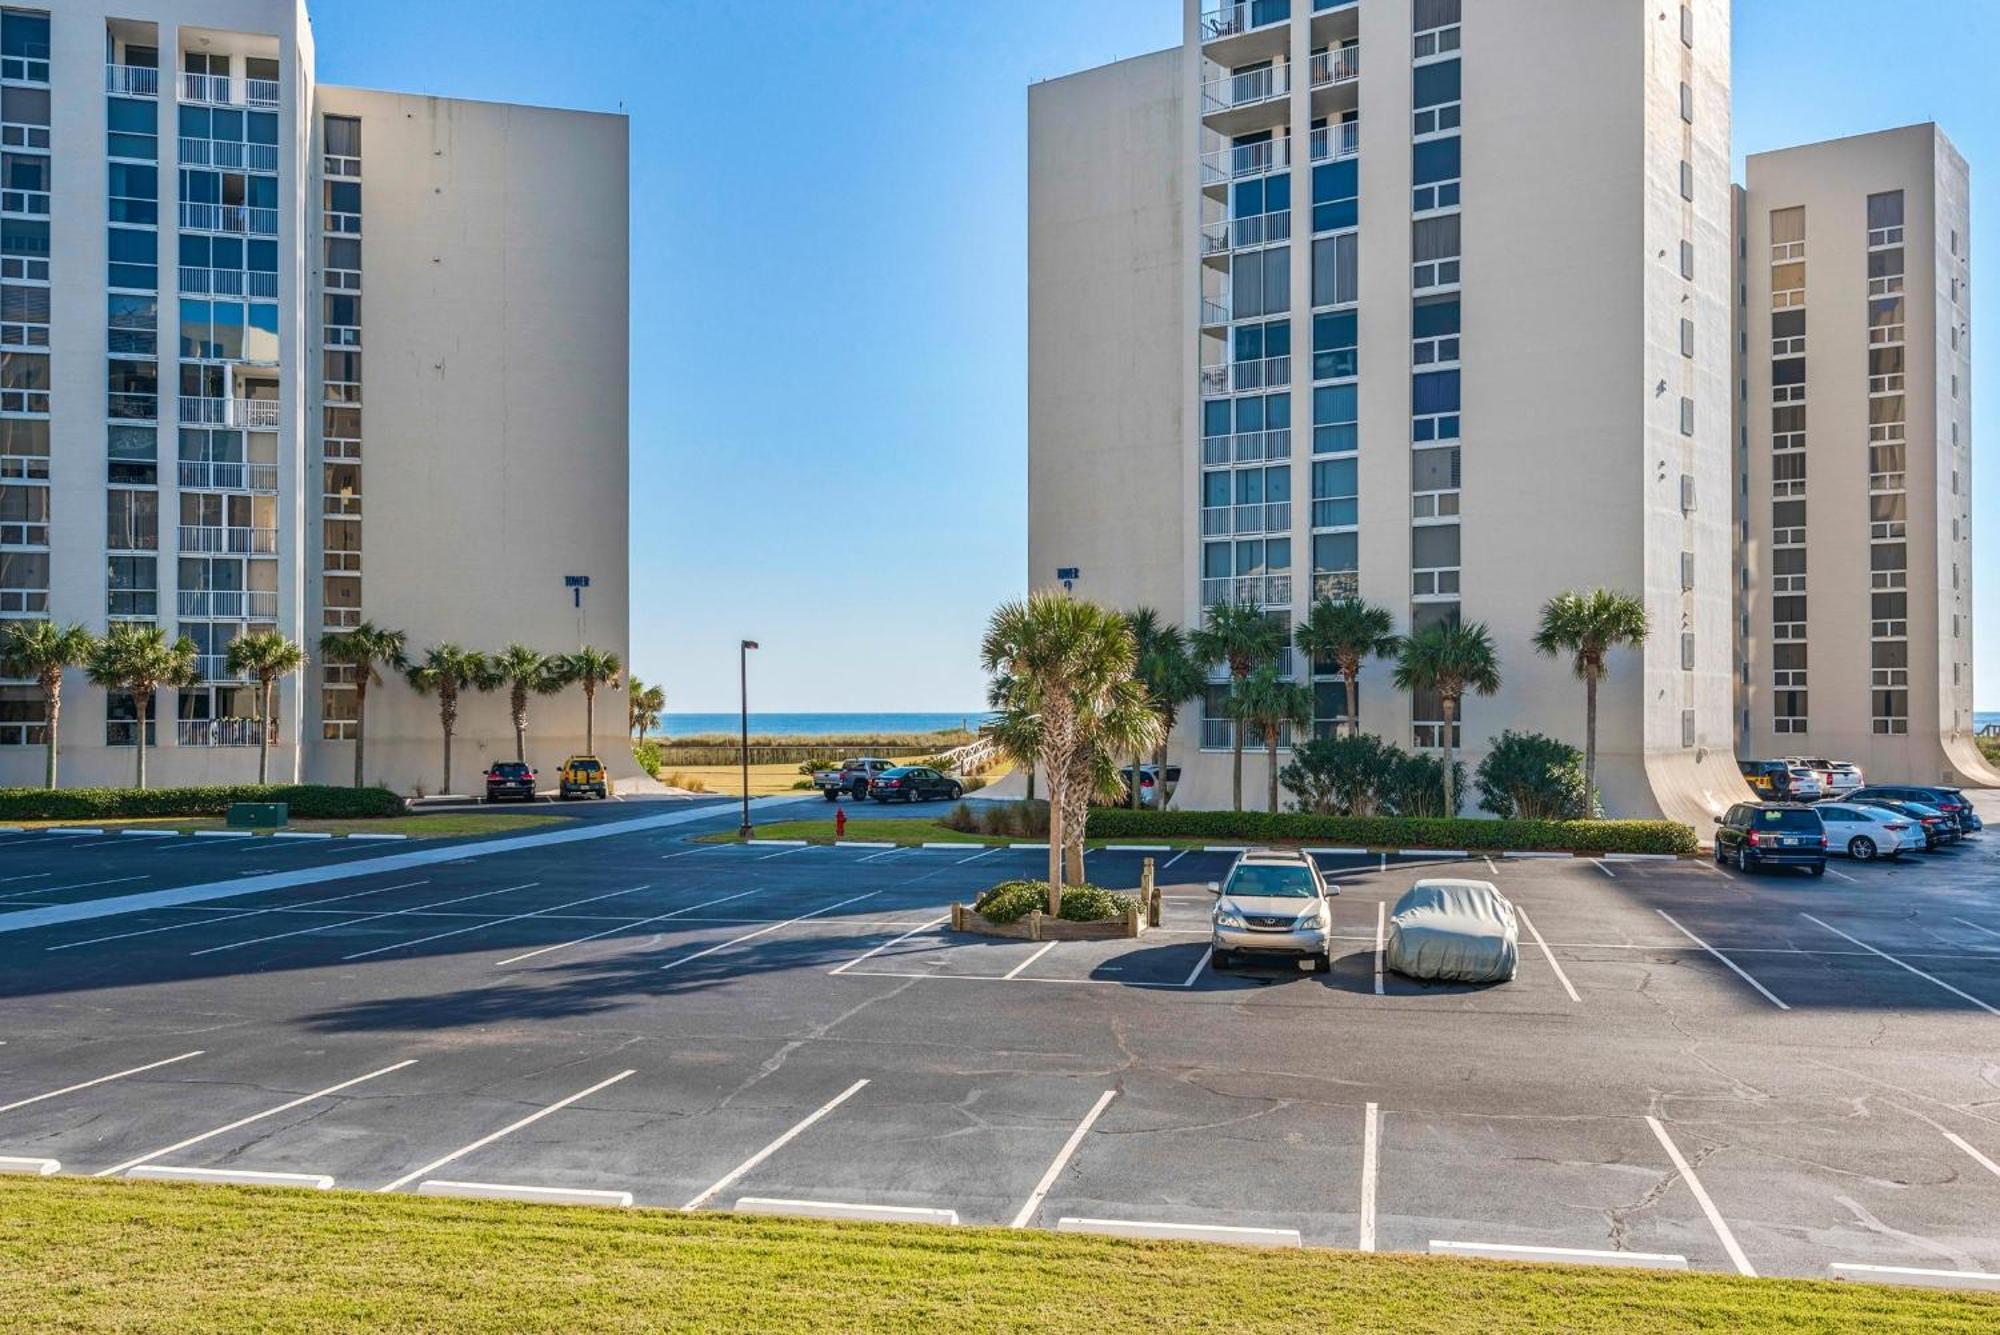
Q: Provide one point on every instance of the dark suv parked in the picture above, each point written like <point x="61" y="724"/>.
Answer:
<point x="1951" y="801"/>
<point x="1771" y="834"/>
<point x="510" y="778"/>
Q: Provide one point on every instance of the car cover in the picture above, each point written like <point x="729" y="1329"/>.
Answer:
<point x="1454" y="931"/>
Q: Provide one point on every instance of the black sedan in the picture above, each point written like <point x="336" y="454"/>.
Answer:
<point x="510" y="779"/>
<point x="914" y="783"/>
<point x="1938" y="828"/>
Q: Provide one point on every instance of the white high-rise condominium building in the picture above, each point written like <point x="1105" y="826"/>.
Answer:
<point x="1857" y="456"/>
<point x="1420" y="300"/>
<point x="279" y="355"/>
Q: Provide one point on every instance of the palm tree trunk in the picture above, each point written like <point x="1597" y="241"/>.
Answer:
<point x="1236" y="763"/>
<point x="52" y="718"/>
<point x="447" y="758"/>
<point x="1450" y="712"/>
<point x="264" y="732"/>
<point x="589" y="717"/>
<point x="520" y="704"/>
<point x="361" y="672"/>
<point x="1271" y="743"/>
<point x="139" y="703"/>
<point x="1349" y="685"/>
<point x="1590" y="746"/>
<point x="1055" y="843"/>
<point x="1132" y="796"/>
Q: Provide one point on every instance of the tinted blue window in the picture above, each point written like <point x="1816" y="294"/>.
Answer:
<point x="261" y="127"/>
<point x="1336" y="186"/>
<point x="1334" y="339"/>
<point x="1249" y="414"/>
<point x="1278" y="411"/>
<point x="195" y="122"/>
<point x="132" y="128"/>
<point x="194" y="251"/>
<point x="1437" y="84"/>
<point x="228" y="252"/>
<point x="1334" y="416"/>
<point x="1434" y="392"/>
<point x="263" y="257"/>
<point x="24" y="35"/>
<point x="1431" y="319"/>
<point x="1436" y="161"/>
<point x="1215" y="559"/>
<point x="263" y="191"/>
<point x="1215" y="417"/>
<point x="1334" y="478"/>
<point x="134" y="247"/>
<point x="18" y="236"/>
<point x="1214" y="490"/>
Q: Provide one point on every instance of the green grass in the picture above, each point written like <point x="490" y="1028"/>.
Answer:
<point x="442" y="826"/>
<point x="907" y="833"/>
<point x="84" y="1256"/>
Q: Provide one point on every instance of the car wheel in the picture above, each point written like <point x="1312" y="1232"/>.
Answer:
<point x="910" y="798"/>
<point x="1744" y="863"/>
<point x="1817" y="869"/>
<point x="1221" y="960"/>
<point x="831" y="795"/>
<point x="1323" y="964"/>
<point x="1861" y="848"/>
<point x="1721" y="858"/>
<point x="953" y="793"/>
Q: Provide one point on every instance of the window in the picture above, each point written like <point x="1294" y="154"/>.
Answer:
<point x="1687" y="338"/>
<point x="1687" y="259"/>
<point x="343" y="145"/>
<point x="22" y="716"/>
<point x="1260" y="283"/>
<point x="1437" y="97"/>
<point x="134" y="259"/>
<point x="1687" y="416"/>
<point x="1434" y="171"/>
<point x="24" y="46"/>
<point x="132" y="455"/>
<point x="132" y="584"/>
<point x="1434" y="247"/>
<point x="24" y="447"/>
<point x="24" y="382"/>
<point x="1687" y="102"/>
<point x="1436" y="25"/>
<point x="1434" y="406"/>
<point x="1336" y="188"/>
<point x="1687" y="180"/>
<point x="1687" y="25"/>
<point x="1687" y="728"/>
<point x="134" y="193"/>
<point x="1434" y="561"/>
<point x="1336" y="274"/>
<point x="1885" y="220"/>
<point x="133" y="390"/>
<point x="132" y="520"/>
<point x="1335" y="489"/>
<point x="121" y="719"/>
<point x="24" y="117"/>
<point x="1335" y="336"/>
<point x="1336" y="413"/>
<point x="132" y="128"/>
<point x="1687" y="572"/>
<point x="1434" y="331"/>
<point x="24" y="582"/>
<point x="24" y="515"/>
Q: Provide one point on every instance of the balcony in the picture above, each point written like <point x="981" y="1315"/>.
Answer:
<point x="1214" y="311"/>
<point x="1223" y="521"/>
<point x="209" y="475"/>
<point x="229" y="541"/>
<point x="219" y="90"/>
<point x="227" y="283"/>
<point x="1219" y="166"/>
<point x="1227" y="234"/>
<point x="1237" y="377"/>
<point x="236" y="219"/>
<point x="1335" y="143"/>
<point x="229" y="155"/>
<point x="131" y="81"/>
<point x="1233" y="19"/>
<point x="1337" y="66"/>
<point x="1232" y="90"/>
<point x="242" y="414"/>
<point x="1260" y="590"/>
<point x="1246" y="447"/>
<point x="215" y="668"/>
<point x="216" y="731"/>
<point x="228" y="605"/>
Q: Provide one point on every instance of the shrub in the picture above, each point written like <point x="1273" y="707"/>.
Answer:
<point x="1366" y="776"/>
<point x="1990" y="748"/>
<point x="1010" y="901"/>
<point x="1414" y="786"/>
<point x="1587" y="836"/>
<point x="647" y="756"/>
<point x="685" y="782"/>
<point x="306" y="802"/>
<point x="1014" y="820"/>
<point x="1533" y="777"/>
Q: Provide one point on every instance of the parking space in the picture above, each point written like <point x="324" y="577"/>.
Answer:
<point x="1771" y="1072"/>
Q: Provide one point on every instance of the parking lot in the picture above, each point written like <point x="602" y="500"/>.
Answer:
<point x="1767" y="1074"/>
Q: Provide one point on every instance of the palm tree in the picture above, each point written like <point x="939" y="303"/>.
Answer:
<point x="140" y="660"/>
<point x="644" y="705"/>
<point x="366" y="648"/>
<point x="1243" y="637"/>
<point x="1268" y="701"/>
<point x="1122" y="722"/>
<point x="266" y="655"/>
<point x="449" y="670"/>
<point x="43" y="650"/>
<point x="1588" y="626"/>
<point x="1344" y="631"/>
<point x="1171" y="677"/>
<point x="1449" y="659"/>
<point x="593" y="668"/>
<point x="1058" y="666"/>
<point x="524" y="672"/>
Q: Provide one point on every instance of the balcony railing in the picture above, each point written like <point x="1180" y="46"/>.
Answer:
<point x="131" y="81"/>
<point x="1261" y="590"/>
<point x="1222" y="521"/>
<point x="1263" y="229"/>
<point x="1214" y="311"/>
<point x="215" y="667"/>
<point x="227" y="283"/>
<point x="1246" y="447"/>
<point x="212" y="475"/>
<point x="229" y="155"/>
<point x="220" y="90"/>
<point x="242" y="414"/>
<point x="1229" y="19"/>
<point x="1341" y="65"/>
<point x="216" y="731"/>
<point x="1227" y="91"/>
<point x="1222" y="165"/>
<point x="1332" y="143"/>
<point x="229" y="604"/>
<point x="233" y="218"/>
<point x="1235" y="377"/>
<point x="229" y="541"/>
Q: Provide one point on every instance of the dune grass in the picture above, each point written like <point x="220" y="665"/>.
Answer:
<point x="443" y="825"/>
<point x="87" y="1256"/>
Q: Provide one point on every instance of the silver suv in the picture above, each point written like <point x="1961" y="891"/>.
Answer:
<point x="1273" y="904"/>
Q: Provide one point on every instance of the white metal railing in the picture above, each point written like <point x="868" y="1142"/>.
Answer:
<point x="215" y="667"/>
<point x="223" y="475"/>
<point x="1226" y="234"/>
<point x="1246" y="447"/>
<point x="131" y="81"/>
<point x="229" y="541"/>
<point x="261" y="92"/>
<point x="1262" y="590"/>
<point x="229" y="604"/>
<point x="1245" y="88"/>
<point x="1332" y="143"/>
<point x="1221" y="165"/>
<point x="216" y="731"/>
<point x="1233" y="377"/>
<point x="221" y="90"/>
<point x="238" y="218"/>
<point x="243" y="414"/>
<point x="227" y="283"/>
<point x="1214" y="310"/>
<point x="1340" y="65"/>
<point x="972" y="758"/>
<point x="229" y="155"/>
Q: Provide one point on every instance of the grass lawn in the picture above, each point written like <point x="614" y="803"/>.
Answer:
<point x="80" y="1256"/>
<point x="907" y="832"/>
<point x="765" y="780"/>
<point x="442" y="826"/>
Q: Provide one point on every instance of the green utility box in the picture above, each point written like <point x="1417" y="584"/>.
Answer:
<point x="258" y="815"/>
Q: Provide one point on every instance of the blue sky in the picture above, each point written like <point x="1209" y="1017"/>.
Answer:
<point x="829" y="307"/>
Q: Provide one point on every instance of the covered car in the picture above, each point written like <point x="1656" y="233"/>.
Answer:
<point x="1451" y="931"/>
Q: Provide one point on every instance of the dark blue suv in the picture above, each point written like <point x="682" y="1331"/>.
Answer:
<point x="1771" y="834"/>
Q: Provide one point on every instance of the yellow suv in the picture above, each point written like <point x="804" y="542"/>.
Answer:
<point x="583" y="776"/>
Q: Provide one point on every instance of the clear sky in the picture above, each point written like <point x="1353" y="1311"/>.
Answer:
<point x="829" y="305"/>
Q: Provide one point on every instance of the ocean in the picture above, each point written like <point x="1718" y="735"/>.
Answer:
<point x="815" y="725"/>
<point x="1981" y="720"/>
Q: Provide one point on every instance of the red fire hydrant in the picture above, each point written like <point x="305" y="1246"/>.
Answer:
<point x="840" y="823"/>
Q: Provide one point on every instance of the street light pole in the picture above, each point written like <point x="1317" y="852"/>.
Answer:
<point x="743" y="670"/>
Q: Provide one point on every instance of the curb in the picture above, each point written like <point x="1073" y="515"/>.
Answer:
<point x="378" y="836"/>
<point x="70" y="829"/>
<point x="1335" y="852"/>
<point x="1535" y="856"/>
<point x="30" y="1167"/>
<point x="944" y="844"/>
<point x="1225" y="848"/>
<point x="1559" y="1255"/>
<point x="150" y="834"/>
<point x="886" y="1214"/>
<point x="224" y="834"/>
<point x="300" y="834"/>
<point x="1039" y="847"/>
<point x="776" y="843"/>
<point x="1134" y="1228"/>
<point x="864" y="843"/>
<point x="1927" y="1279"/>
<point x="236" y="1176"/>
<point x="491" y="1191"/>
<point x="1136" y="848"/>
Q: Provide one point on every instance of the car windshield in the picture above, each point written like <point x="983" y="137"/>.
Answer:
<point x="1272" y="882"/>
<point x="510" y="768"/>
<point x="1778" y="819"/>
<point x="586" y="767"/>
<point x="900" y="772"/>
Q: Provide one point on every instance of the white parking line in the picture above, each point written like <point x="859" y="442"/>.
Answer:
<point x="1728" y="963"/>
<point x="785" y="852"/>
<point x="1927" y="1279"/>
<point x="864" y="957"/>
<point x="1061" y="1161"/>
<point x="26" y="876"/>
<point x="1489" y="865"/>
<point x="83" y="885"/>
<point x="1835" y="871"/>
<point x="350" y="922"/>
<point x="101" y="1080"/>
<point x="1976" y="927"/>
<point x="733" y="1175"/>
<point x="766" y="931"/>
<point x="507" y="1130"/>
<point x="1188" y="981"/>
<point x="254" y="1117"/>
<point x="1175" y="858"/>
<point x="231" y="917"/>
<point x="1547" y="954"/>
<point x="982" y="853"/>
<point x="1599" y="864"/>
<point x="1980" y="1159"/>
<point x="1495" y="1251"/>
<point x="1911" y="968"/>
<point x="1018" y="968"/>
<point x="491" y="922"/>
<point x="622" y="927"/>
<point x="1371" y="1136"/>
<point x="877" y="857"/>
<point x="1736" y="1256"/>
<point x="1381" y="942"/>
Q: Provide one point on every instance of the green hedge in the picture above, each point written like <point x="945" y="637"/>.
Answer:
<point x="1010" y="901"/>
<point x="307" y="802"/>
<point x="1579" y="836"/>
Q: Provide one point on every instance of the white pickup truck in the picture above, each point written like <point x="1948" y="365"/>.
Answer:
<point x="852" y="779"/>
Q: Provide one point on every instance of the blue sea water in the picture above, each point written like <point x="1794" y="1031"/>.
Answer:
<point x="816" y="725"/>
<point x="1980" y="720"/>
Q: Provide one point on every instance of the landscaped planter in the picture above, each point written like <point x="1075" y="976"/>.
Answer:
<point x="1038" y="926"/>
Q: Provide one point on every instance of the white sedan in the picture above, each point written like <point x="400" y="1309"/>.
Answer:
<point x="1865" y="833"/>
